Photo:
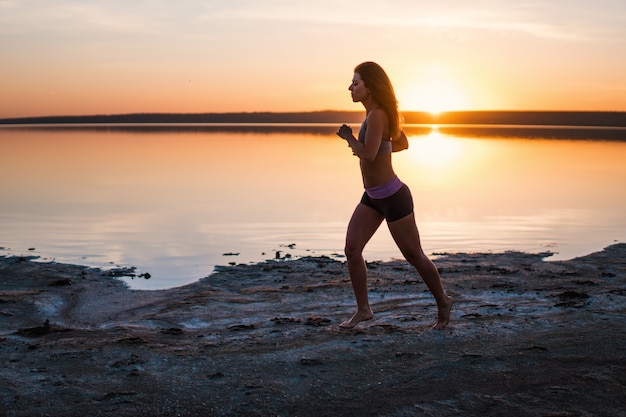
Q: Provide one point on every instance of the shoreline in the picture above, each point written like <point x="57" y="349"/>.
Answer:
<point x="527" y="337"/>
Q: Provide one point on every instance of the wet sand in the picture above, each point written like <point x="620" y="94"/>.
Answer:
<point x="528" y="337"/>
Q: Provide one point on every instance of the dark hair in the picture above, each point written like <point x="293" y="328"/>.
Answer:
<point x="377" y="81"/>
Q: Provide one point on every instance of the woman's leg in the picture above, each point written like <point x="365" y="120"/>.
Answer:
<point x="406" y="236"/>
<point x="363" y="224"/>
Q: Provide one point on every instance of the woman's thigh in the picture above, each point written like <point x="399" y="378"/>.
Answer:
<point x="406" y="236"/>
<point x="363" y="224"/>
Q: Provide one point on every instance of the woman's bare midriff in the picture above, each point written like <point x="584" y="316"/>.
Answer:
<point x="378" y="171"/>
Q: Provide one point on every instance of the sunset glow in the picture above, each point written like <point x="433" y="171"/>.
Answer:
<point x="433" y="92"/>
<point x="90" y="57"/>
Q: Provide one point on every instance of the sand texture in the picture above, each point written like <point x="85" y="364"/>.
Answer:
<point x="528" y="337"/>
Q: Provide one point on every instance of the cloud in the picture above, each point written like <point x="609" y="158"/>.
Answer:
<point x="559" y="20"/>
<point x="68" y="17"/>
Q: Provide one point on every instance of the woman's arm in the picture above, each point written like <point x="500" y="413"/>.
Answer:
<point x="345" y="132"/>
<point x="376" y="122"/>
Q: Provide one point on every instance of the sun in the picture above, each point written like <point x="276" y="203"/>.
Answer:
<point x="433" y="93"/>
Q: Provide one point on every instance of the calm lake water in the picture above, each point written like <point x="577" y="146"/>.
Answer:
<point x="175" y="201"/>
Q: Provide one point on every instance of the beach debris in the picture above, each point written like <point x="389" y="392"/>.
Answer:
<point x="62" y="282"/>
<point x="121" y="272"/>
<point x="279" y="255"/>
<point x="284" y="320"/>
<point x="176" y="331"/>
<point x="116" y="394"/>
<point x="230" y="254"/>
<point x="538" y="347"/>
<point x="317" y="321"/>
<point x="408" y="354"/>
<point x="37" y="330"/>
<point x="133" y="340"/>
<point x="371" y="265"/>
<point x="238" y="327"/>
<point x="586" y="283"/>
<point x="472" y="316"/>
<point x="311" y="361"/>
<point x="128" y="272"/>
<point x="388" y="328"/>
<point x="573" y="299"/>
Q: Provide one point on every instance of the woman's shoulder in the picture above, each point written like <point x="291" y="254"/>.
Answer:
<point x="377" y="112"/>
<point x="377" y="116"/>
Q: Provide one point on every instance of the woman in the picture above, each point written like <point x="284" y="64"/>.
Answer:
<point x="385" y="196"/>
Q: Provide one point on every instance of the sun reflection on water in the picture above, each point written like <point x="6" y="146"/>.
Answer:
<point x="435" y="151"/>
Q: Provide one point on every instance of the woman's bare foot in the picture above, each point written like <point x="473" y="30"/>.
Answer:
<point x="358" y="317"/>
<point x="443" y="315"/>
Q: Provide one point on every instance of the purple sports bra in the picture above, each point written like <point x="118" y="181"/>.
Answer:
<point x="385" y="144"/>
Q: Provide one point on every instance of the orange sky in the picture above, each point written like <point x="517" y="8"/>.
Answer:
<point x="95" y="57"/>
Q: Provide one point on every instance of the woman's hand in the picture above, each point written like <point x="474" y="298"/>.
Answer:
<point x="345" y="132"/>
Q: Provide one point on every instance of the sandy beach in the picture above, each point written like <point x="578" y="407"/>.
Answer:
<point x="528" y="337"/>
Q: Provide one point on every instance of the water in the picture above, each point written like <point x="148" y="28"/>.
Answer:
<point x="176" y="201"/>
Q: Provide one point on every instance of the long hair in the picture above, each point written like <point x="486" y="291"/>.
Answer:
<point x="379" y="84"/>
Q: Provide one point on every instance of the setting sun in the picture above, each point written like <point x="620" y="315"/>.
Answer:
<point x="435" y="91"/>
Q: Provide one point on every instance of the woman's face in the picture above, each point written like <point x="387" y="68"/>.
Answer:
<point x="358" y="89"/>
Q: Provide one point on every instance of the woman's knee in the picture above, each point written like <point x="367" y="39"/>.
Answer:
<point x="418" y="259"/>
<point x="352" y="250"/>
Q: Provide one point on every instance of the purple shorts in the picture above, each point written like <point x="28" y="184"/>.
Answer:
<point x="393" y="206"/>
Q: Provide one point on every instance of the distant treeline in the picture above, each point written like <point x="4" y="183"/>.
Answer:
<point x="541" y="118"/>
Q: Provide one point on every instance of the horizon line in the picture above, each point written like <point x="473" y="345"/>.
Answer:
<point x="486" y="117"/>
<point x="304" y="112"/>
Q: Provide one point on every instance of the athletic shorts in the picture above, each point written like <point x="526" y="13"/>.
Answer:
<point x="394" y="207"/>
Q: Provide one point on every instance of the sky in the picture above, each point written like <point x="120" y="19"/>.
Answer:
<point x="84" y="57"/>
